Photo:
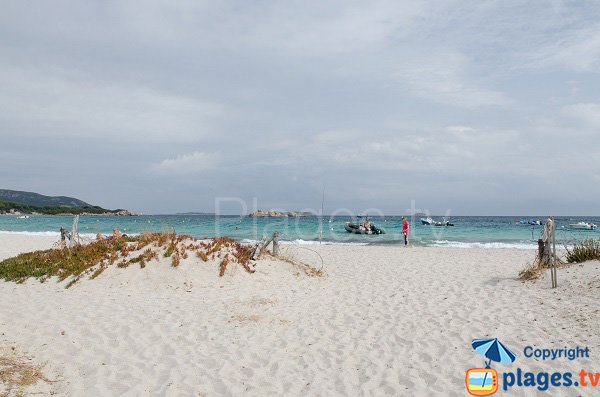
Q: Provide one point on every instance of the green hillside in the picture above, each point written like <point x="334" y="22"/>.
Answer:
<point x="39" y="200"/>
<point x="7" y="207"/>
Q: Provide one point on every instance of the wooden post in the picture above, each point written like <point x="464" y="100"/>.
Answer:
<point x="258" y="249"/>
<point x="276" y="236"/>
<point x="549" y="256"/>
<point x="541" y="249"/>
<point x="74" y="236"/>
<point x="554" y="276"/>
<point x="264" y="243"/>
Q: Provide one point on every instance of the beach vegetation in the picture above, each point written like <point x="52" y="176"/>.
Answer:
<point x="587" y="250"/>
<point x="170" y="249"/>
<point x="175" y="260"/>
<point x="17" y="373"/>
<point x="240" y="253"/>
<point x="532" y="271"/>
<point x="202" y="255"/>
<point x="90" y="260"/>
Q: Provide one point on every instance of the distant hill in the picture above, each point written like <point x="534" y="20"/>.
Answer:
<point x="39" y="200"/>
<point x="16" y="202"/>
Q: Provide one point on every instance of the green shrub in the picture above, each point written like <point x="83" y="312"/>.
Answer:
<point x="93" y="258"/>
<point x="585" y="251"/>
<point x="75" y="262"/>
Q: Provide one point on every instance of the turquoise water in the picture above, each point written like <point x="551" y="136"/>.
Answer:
<point x="468" y="231"/>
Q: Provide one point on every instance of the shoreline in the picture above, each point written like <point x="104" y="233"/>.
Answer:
<point x="435" y="244"/>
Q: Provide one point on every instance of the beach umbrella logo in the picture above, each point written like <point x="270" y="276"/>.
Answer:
<point x="484" y="381"/>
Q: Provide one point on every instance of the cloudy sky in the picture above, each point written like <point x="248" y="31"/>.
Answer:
<point x="486" y="107"/>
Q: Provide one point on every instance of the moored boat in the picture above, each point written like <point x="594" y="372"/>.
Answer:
<point x="430" y="222"/>
<point x="583" y="226"/>
<point x="356" y="228"/>
<point x="531" y="222"/>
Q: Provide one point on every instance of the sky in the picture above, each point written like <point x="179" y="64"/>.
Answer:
<point x="465" y="108"/>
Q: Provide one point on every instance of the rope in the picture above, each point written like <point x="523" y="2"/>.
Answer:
<point x="306" y="248"/>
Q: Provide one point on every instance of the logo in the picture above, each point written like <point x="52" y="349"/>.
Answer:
<point x="484" y="381"/>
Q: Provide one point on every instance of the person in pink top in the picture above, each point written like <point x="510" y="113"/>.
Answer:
<point x="405" y="230"/>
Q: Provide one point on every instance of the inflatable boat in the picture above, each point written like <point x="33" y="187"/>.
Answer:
<point x="359" y="229"/>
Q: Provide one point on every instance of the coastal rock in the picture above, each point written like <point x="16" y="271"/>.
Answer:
<point x="297" y="214"/>
<point x="278" y="214"/>
<point x="124" y="213"/>
<point x="269" y="214"/>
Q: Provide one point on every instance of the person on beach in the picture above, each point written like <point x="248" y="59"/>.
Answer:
<point x="405" y="230"/>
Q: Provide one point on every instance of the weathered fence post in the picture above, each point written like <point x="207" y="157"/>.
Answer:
<point x="541" y="247"/>
<point x="74" y="240"/>
<point x="258" y="249"/>
<point x="276" y="236"/>
<point x="264" y="243"/>
<point x="553" y="272"/>
<point x="548" y="257"/>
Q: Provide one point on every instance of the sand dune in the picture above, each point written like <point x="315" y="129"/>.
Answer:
<point x="382" y="321"/>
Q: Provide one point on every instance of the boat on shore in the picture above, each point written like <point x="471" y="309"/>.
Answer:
<point x="583" y="226"/>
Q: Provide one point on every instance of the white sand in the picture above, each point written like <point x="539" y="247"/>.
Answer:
<point x="383" y="321"/>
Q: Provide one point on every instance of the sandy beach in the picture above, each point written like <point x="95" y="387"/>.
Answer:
<point x="383" y="320"/>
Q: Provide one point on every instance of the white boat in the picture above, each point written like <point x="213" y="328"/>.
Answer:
<point x="24" y="217"/>
<point x="583" y="226"/>
<point x="532" y="222"/>
<point x="427" y="221"/>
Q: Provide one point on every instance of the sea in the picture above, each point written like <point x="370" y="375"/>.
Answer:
<point x="467" y="232"/>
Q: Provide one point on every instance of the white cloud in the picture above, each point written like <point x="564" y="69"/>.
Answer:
<point x="577" y="50"/>
<point x="92" y="108"/>
<point x="586" y="115"/>
<point x="194" y="163"/>
<point x="451" y="150"/>
<point x="294" y="28"/>
<point x="447" y="78"/>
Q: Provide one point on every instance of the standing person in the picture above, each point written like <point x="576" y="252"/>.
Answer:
<point x="405" y="230"/>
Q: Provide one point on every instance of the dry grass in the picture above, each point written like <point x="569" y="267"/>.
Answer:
<point x="531" y="272"/>
<point x="229" y="251"/>
<point x="16" y="374"/>
<point x="202" y="255"/>
<point x="262" y="302"/>
<point x="247" y="318"/>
